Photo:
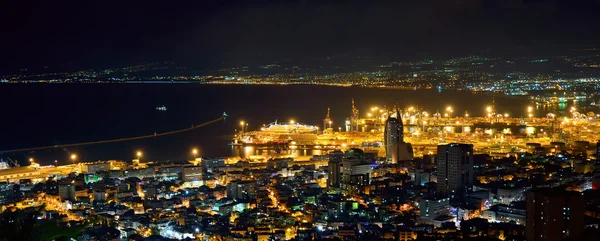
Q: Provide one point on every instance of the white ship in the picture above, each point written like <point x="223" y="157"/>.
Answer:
<point x="289" y="128"/>
<point x="161" y="108"/>
<point x="4" y="165"/>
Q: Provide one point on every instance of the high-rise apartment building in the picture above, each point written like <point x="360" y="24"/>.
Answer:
<point x="554" y="214"/>
<point x="334" y="177"/>
<point x="455" y="169"/>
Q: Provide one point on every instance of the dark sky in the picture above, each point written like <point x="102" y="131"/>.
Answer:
<point x="209" y="33"/>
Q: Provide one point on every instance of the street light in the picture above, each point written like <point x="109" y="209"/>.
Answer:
<point x="195" y="152"/>
<point x="138" y="154"/>
<point x="449" y="110"/>
<point x="243" y="124"/>
<point x="31" y="160"/>
<point x="73" y="157"/>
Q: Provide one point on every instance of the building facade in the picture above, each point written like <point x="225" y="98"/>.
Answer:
<point x="433" y="207"/>
<point x="66" y="192"/>
<point x="455" y="169"/>
<point x="395" y="147"/>
<point x="334" y="177"/>
<point x="192" y="173"/>
<point x="554" y="214"/>
<point x="241" y="190"/>
<point x="356" y="173"/>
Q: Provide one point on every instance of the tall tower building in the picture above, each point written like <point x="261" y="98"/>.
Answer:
<point x="393" y="135"/>
<point x="334" y="176"/>
<point x="395" y="147"/>
<point x="554" y="215"/>
<point x="455" y="169"/>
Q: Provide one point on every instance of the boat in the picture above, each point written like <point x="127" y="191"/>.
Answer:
<point x="289" y="128"/>
<point x="161" y="108"/>
<point x="4" y="165"/>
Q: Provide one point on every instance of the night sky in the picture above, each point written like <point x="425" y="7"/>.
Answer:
<point x="70" y="35"/>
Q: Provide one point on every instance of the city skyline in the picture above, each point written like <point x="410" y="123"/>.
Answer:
<point x="300" y="120"/>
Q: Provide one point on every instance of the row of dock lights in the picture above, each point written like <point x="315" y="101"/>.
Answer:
<point x="244" y="126"/>
<point x="449" y="111"/>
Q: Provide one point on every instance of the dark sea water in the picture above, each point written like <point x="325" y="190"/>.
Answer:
<point x="51" y="114"/>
